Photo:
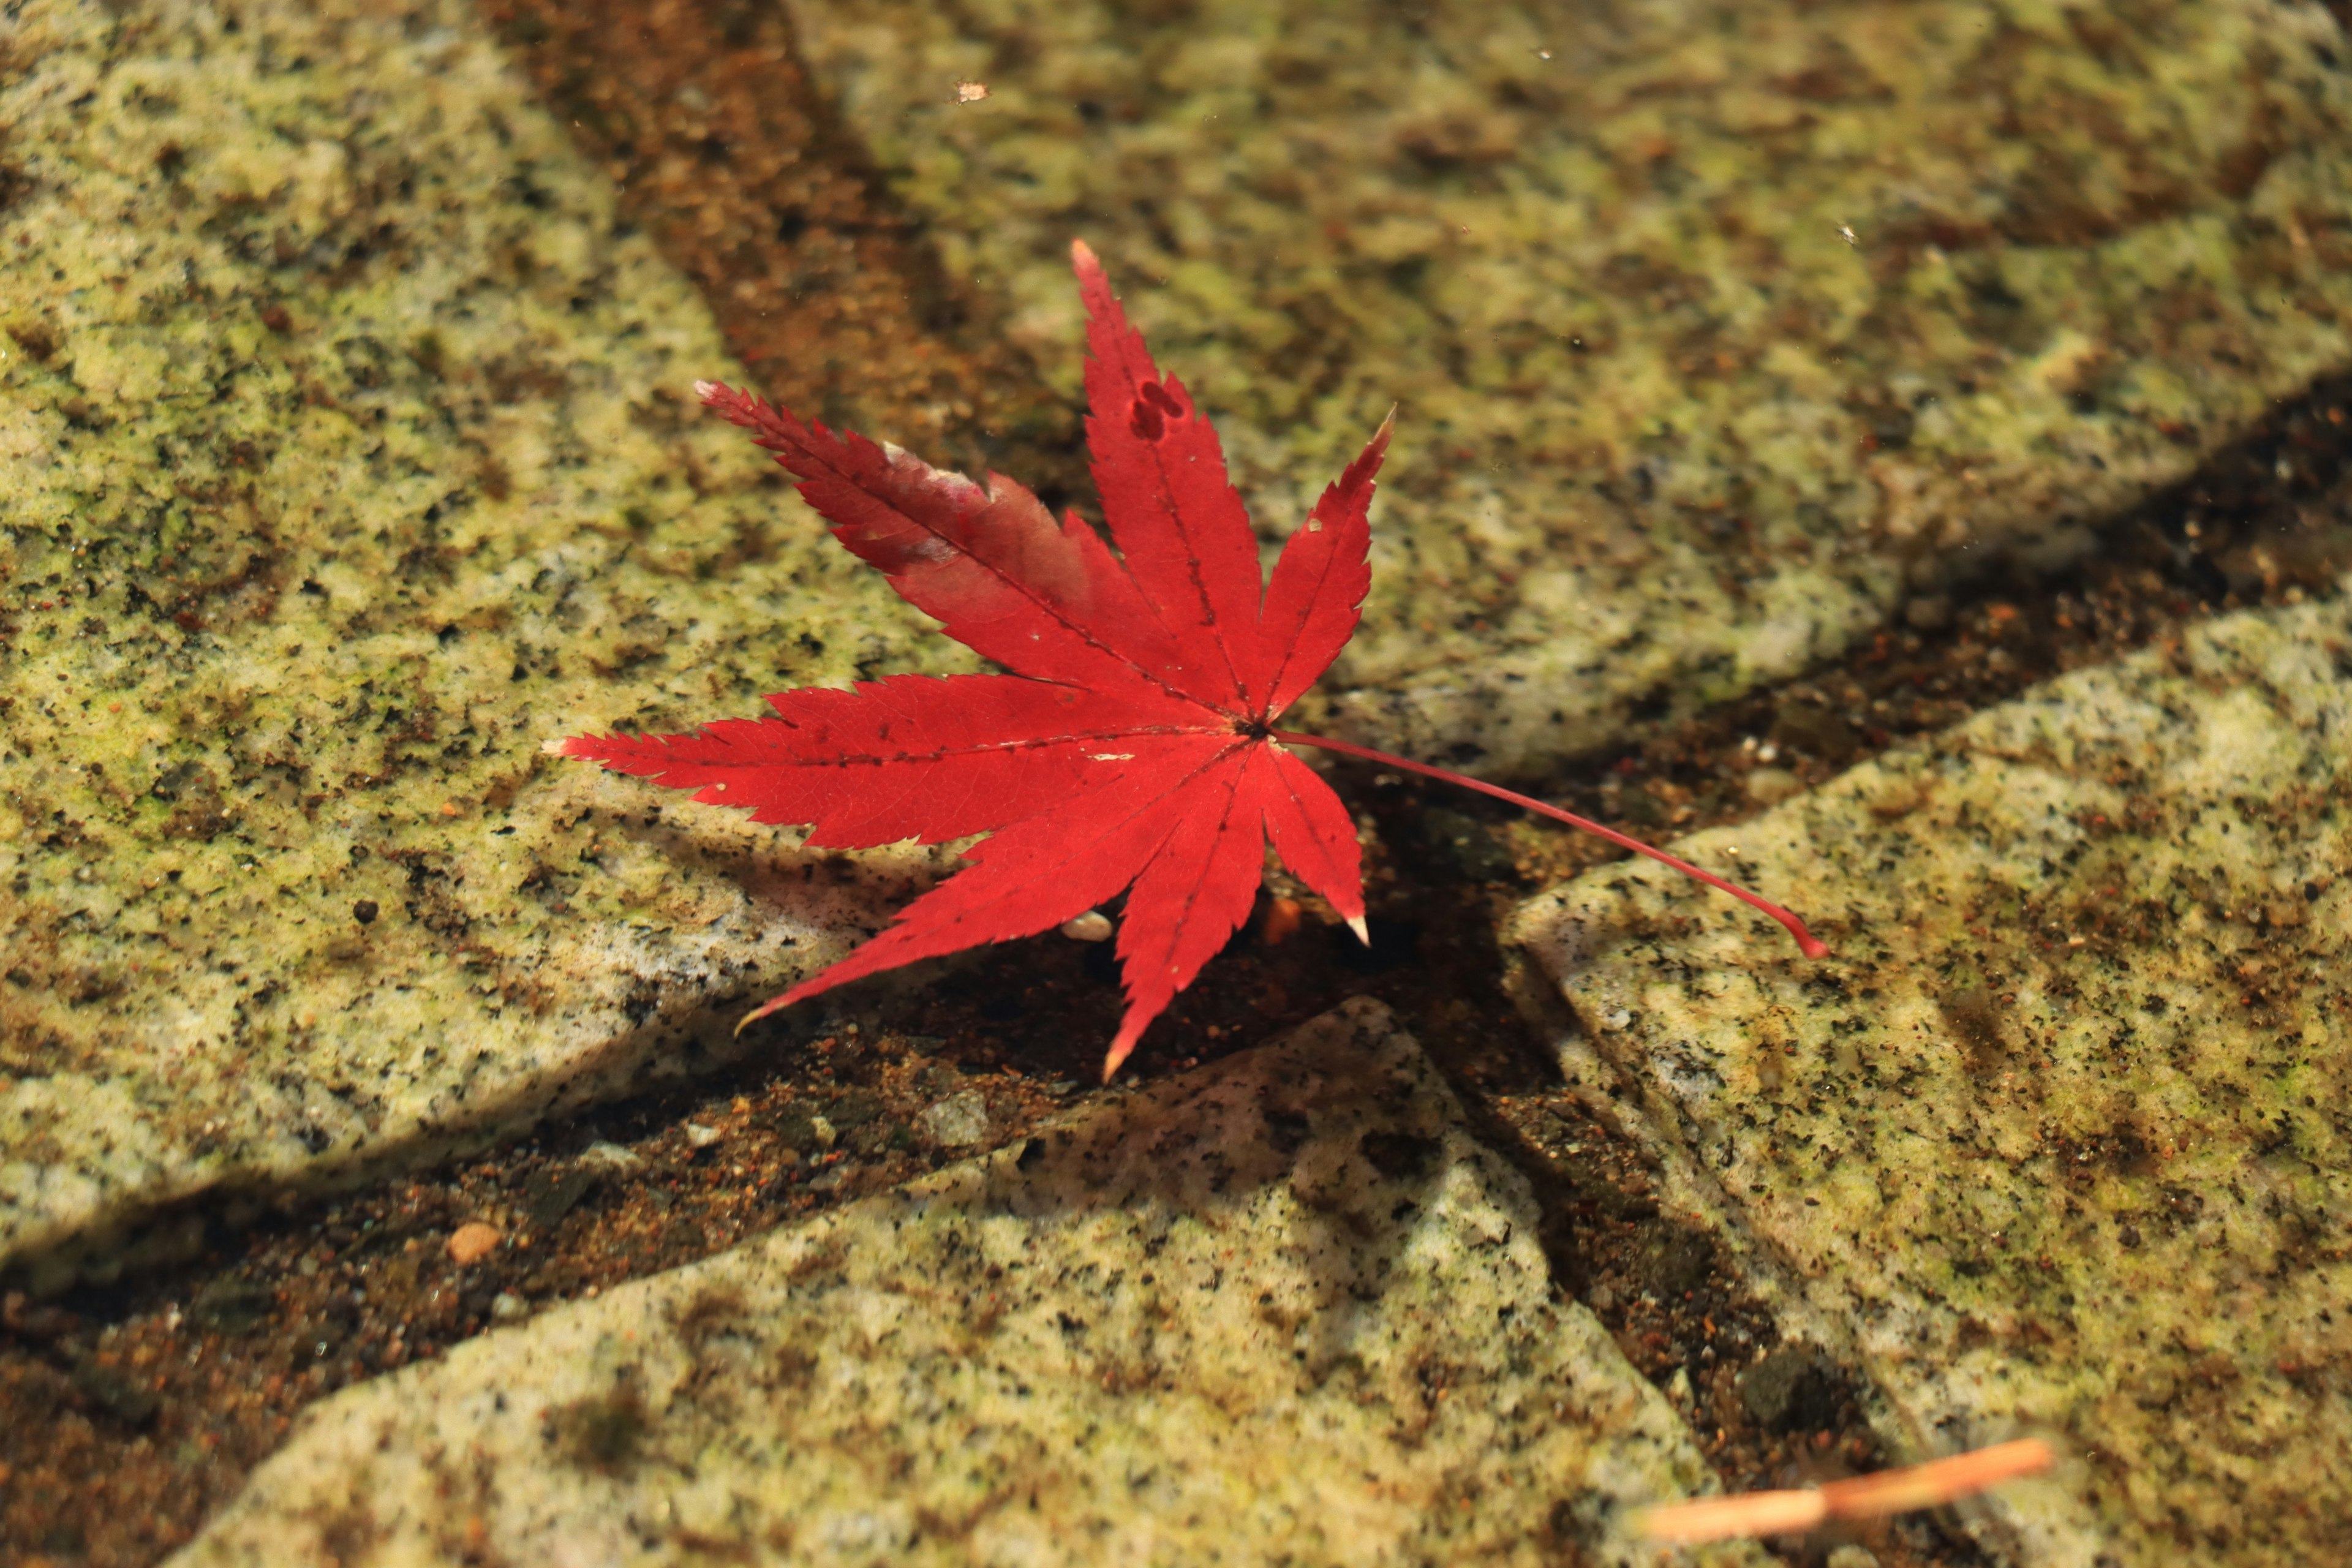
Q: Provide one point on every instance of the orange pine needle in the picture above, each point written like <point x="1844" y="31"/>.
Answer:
<point x="1864" y="1497"/>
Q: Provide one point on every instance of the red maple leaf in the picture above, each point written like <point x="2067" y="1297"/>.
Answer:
<point x="1131" y="747"/>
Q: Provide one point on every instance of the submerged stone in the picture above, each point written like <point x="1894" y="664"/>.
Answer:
<point x="1284" y="1309"/>
<point x="351" y="455"/>
<point x="2056" y="1139"/>
<point x="1719" y="327"/>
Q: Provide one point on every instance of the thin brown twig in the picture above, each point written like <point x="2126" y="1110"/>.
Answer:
<point x="1864" y="1497"/>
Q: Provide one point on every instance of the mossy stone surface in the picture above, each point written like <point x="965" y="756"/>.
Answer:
<point x="2058" y="1135"/>
<point x="351" y="455"/>
<point x="1284" y="1309"/>
<point x="1719" y="328"/>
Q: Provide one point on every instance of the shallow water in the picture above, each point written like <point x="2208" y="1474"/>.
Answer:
<point x="1774" y="381"/>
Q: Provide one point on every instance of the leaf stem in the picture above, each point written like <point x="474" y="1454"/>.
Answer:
<point x="1808" y="943"/>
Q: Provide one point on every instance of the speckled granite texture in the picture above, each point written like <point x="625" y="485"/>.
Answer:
<point x="2059" y="1136"/>
<point x="1720" y="325"/>
<point x="349" y="456"/>
<point x="1282" y="1309"/>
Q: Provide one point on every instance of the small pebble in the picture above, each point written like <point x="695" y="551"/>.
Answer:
<point x="1928" y="611"/>
<point x="958" y="1121"/>
<point x="1282" y="917"/>
<point x="699" y="1136"/>
<point x="472" y="1242"/>
<point x="611" y="1156"/>
<point x="505" y="1307"/>
<point x="1092" y="926"/>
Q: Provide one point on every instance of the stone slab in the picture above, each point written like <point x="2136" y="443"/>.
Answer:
<point x="1719" y="326"/>
<point x="1284" y="1309"/>
<point x="2058" y="1137"/>
<point x="349" y="455"/>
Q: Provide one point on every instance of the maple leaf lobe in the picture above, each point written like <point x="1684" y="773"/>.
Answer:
<point x="1149" y="415"/>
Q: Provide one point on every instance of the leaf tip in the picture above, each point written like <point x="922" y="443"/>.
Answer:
<point x="1083" y="259"/>
<point x="1363" y="932"/>
<point x="760" y="1012"/>
<point x="1122" y="1046"/>
<point x="707" y="391"/>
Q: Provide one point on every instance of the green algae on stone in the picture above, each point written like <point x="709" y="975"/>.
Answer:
<point x="351" y="455"/>
<point x="1717" y="326"/>
<point x="1284" y="1309"/>
<point x="2059" y="1134"/>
